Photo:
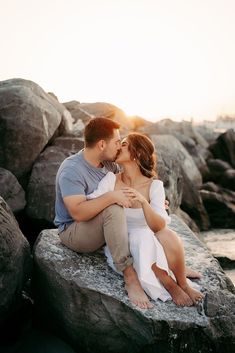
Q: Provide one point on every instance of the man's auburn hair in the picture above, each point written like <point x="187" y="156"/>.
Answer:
<point x="97" y="129"/>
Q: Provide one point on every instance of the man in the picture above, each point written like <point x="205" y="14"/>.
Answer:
<point x="85" y="226"/>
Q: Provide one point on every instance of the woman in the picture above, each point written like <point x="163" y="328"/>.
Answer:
<point x="157" y="251"/>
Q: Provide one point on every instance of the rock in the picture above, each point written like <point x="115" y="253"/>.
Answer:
<point x="11" y="191"/>
<point x="221" y="243"/>
<point x="210" y="186"/>
<point x="38" y="341"/>
<point x="15" y="263"/>
<point x="29" y="118"/>
<point x="169" y="171"/>
<point x="195" y="151"/>
<point x="217" y="168"/>
<point x="175" y="150"/>
<point x="187" y="220"/>
<point x="231" y="275"/>
<point x="209" y="134"/>
<point x="176" y="168"/>
<point x="224" y="147"/>
<point x="41" y="187"/>
<point x="193" y="205"/>
<point x="139" y="122"/>
<point x="85" y="111"/>
<point x="84" y="302"/>
<point x="169" y="127"/>
<point x="228" y="179"/>
<point x="220" y="207"/>
<point x="72" y="144"/>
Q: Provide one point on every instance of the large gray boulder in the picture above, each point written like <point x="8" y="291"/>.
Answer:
<point x="221" y="173"/>
<point x="197" y="152"/>
<point x="192" y="204"/>
<point x="174" y="150"/>
<point x="84" y="302"/>
<point x="176" y="168"/>
<point x="83" y="112"/>
<point x="29" y="117"/>
<point x="15" y="262"/>
<point x="11" y="191"/>
<point x="181" y="177"/>
<point x="170" y="127"/>
<point x="220" y="205"/>
<point x="41" y="188"/>
<point x="208" y="133"/>
<point x="224" y="147"/>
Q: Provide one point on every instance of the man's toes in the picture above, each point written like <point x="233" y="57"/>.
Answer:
<point x="134" y="302"/>
<point x="145" y="305"/>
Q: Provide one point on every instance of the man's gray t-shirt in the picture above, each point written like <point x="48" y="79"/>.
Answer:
<point x="76" y="177"/>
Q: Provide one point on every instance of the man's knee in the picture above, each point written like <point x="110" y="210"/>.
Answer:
<point x="114" y="210"/>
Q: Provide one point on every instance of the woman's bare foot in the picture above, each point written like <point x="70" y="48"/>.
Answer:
<point x="191" y="273"/>
<point x="179" y="296"/>
<point x="134" y="290"/>
<point x="194" y="294"/>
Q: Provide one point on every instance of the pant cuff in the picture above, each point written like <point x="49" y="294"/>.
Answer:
<point x="126" y="262"/>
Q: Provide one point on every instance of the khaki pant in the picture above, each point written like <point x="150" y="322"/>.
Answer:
<point x="109" y="227"/>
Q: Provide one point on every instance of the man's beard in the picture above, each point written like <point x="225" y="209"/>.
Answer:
<point x="105" y="157"/>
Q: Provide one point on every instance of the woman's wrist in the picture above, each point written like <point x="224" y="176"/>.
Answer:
<point x="144" y="202"/>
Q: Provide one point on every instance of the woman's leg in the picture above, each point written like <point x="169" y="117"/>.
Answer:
<point x="178" y="295"/>
<point x="174" y="251"/>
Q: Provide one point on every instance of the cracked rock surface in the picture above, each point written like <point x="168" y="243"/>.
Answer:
<point x="84" y="302"/>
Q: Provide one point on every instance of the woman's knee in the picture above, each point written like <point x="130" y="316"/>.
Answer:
<point x="167" y="235"/>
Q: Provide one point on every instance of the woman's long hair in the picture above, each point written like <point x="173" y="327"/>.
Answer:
<point x="142" y="150"/>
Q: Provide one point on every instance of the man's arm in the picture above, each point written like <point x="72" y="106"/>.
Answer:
<point x="82" y="210"/>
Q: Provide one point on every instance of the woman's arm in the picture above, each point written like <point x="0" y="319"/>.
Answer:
<point x="155" y="212"/>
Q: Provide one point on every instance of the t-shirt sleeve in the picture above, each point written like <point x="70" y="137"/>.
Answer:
<point x="106" y="184"/>
<point x="71" y="184"/>
<point x="157" y="200"/>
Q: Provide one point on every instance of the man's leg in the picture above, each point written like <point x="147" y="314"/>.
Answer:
<point x="108" y="226"/>
<point x="84" y="236"/>
<point x="174" y="251"/>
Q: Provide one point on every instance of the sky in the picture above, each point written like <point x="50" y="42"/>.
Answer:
<point x="152" y="58"/>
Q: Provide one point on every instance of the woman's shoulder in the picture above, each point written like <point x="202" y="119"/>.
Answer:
<point x="156" y="185"/>
<point x="109" y="179"/>
<point x="110" y="176"/>
<point x="156" y="182"/>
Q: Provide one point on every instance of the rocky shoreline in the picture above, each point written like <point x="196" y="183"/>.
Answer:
<point x="197" y="167"/>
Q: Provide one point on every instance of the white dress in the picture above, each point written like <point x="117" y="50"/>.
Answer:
<point x="144" y="245"/>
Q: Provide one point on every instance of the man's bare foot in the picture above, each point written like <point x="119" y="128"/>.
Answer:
<point x="191" y="273"/>
<point x="194" y="294"/>
<point x="134" y="290"/>
<point x="137" y="296"/>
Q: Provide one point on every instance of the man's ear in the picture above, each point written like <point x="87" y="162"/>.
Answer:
<point x="101" y="144"/>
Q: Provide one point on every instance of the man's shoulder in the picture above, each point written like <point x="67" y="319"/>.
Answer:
<point x="72" y="160"/>
<point x="70" y="164"/>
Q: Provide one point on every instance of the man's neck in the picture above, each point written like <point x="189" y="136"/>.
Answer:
<point x="92" y="157"/>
